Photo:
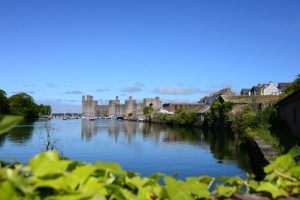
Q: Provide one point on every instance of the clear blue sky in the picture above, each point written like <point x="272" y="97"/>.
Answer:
<point x="58" y="50"/>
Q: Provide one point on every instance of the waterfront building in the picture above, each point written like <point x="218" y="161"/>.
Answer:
<point x="115" y="107"/>
<point x="89" y="106"/>
<point x="155" y="103"/>
<point x="210" y="99"/>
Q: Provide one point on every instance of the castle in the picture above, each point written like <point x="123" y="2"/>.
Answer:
<point x="114" y="107"/>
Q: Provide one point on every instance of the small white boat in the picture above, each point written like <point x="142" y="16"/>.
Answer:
<point x="140" y="120"/>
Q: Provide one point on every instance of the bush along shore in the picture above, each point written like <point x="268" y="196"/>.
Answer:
<point x="182" y="117"/>
<point x="48" y="176"/>
<point x="263" y="124"/>
<point x="258" y="125"/>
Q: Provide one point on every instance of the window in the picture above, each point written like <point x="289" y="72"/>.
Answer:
<point x="294" y="115"/>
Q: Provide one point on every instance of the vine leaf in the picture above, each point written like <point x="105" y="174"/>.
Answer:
<point x="8" y="122"/>
<point x="271" y="189"/>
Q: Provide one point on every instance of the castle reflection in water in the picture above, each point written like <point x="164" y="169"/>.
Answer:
<point x="129" y="129"/>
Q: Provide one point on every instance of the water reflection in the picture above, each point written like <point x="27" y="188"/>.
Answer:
<point x="88" y="129"/>
<point x="225" y="147"/>
<point x="127" y="129"/>
<point x="21" y="133"/>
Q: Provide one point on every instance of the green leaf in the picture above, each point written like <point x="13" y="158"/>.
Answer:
<point x="207" y="180"/>
<point x="296" y="190"/>
<point x="7" y="191"/>
<point x="58" y="183"/>
<point x="175" y="189"/>
<point x="109" y="167"/>
<point x="282" y="163"/>
<point x="8" y="122"/>
<point x="178" y="189"/>
<point x="92" y="186"/>
<point x="269" y="168"/>
<point x="295" y="152"/>
<point x="295" y="171"/>
<point x="225" y="191"/>
<point x="83" y="172"/>
<point x="157" y="176"/>
<point x="48" y="164"/>
<point x="271" y="189"/>
<point x="17" y="180"/>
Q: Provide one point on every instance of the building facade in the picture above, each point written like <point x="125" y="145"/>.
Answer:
<point x="90" y="107"/>
<point x="212" y="97"/>
<point x="261" y="89"/>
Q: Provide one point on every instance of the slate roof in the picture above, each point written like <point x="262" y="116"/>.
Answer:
<point x="282" y="86"/>
<point x="245" y="91"/>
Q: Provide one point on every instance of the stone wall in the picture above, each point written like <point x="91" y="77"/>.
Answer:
<point x="173" y="107"/>
<point x="156" y="103"/>
<point x="129" y="105"/>
<point x="257" y="103"/>
<point x="289" y="110"/>
<point x="89" y="106"/>
<point x="114" y="107"/>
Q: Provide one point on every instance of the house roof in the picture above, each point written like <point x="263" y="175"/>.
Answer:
<point x="204" y="109"/>
<point x="282" y="85"/>
<point x="245" y="90"/>
<point x="257" y="88"/>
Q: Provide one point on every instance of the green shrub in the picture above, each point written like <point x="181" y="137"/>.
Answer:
<point x="48" y="176"/>
<point x="181" y="117"/>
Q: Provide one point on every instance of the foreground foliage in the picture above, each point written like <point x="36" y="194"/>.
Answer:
<point x="48" y="176"/>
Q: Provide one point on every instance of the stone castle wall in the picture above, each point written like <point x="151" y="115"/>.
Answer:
<point x="114" y="107"/>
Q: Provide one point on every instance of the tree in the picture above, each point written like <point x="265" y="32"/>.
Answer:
<point x="148" y="110"/>
<point x="44" y="109"/>
<point x="24" y="105"/>
<point x="48" y="109"/>
<point x="294" y="86"/>
<point x="186" y="117"/>
<point x="3" y="102"/>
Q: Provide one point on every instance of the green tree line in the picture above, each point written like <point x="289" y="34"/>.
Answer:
<point x="23" y="105"/>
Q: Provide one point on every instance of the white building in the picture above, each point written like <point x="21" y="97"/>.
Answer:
<point x="270" y="89"/>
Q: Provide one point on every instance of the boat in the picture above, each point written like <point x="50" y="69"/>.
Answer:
<point x="64" y="117"/>
<point x="92" y="117"/>
<point x="140" y="120"/>
<point x="120" y="118"/>
<point x="111" y="117"/>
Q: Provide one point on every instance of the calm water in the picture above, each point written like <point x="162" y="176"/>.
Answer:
<point x="144" y="148"/>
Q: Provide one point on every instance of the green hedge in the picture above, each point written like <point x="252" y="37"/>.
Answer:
<point x="48" y="176"/>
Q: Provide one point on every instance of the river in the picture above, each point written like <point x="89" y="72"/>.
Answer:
<point x="140" y="147"/>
